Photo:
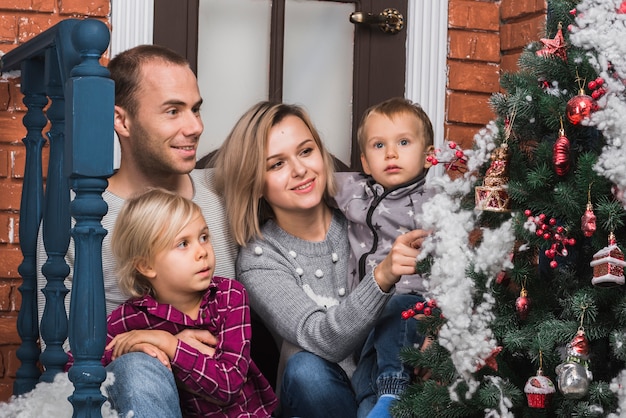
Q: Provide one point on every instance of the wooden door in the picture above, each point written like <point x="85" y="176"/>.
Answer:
<point x="378" y="62"/>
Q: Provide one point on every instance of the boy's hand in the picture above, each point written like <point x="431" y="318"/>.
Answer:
<point x="400" y="260"/>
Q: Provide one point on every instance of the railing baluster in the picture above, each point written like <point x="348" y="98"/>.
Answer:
<point x="56" y="228"/>
<point x="89" y="142"/>
<point x="30" y="216"/>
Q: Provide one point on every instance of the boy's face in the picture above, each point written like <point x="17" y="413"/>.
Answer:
<point x="394" y="151"/>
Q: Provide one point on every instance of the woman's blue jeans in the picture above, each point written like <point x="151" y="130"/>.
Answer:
<point x="144" y="386"/>
<point x="313" y="387"/>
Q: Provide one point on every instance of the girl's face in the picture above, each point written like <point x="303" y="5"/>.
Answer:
<point x="186" y="267"/>
<point x="295" y="175"/>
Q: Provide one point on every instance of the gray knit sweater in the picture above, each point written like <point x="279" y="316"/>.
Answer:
<point x="299" y="289"/>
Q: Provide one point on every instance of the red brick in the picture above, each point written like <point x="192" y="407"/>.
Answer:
<point x="17" y="102"/>
<point x="4" y="163"/>
<point x="478" y="46"/>
<point x="512" y="9"/>
<point x="5" y="97"/>
<point x="519" y="34"/>
<point x="12" y="129"/>
<point x="474" y="15"/>
<point x="473" y="76"/>
<point x="12" y="363"/>
<point x="472" y="108"/>
<point x="509" y="62"/>
<point x="5" y="299"/>
<point x="30" y="26"/>
<point x="6" y="390"/>
<point x="9" y="224"/>
<point x="94" y="8"/>
<point x="28" y="5"/>
<point x="8" y="29"/>
<point x="10" y="258"/>
<point x="11" y="194"/>
<point x="462" y="134"/>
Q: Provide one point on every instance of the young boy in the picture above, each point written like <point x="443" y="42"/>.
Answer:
<point x="381" y="203"/>
<point x="165" y="262"/>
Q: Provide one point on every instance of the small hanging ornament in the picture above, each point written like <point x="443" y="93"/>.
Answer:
<point x="574" y="375"/>
<point x="522" y="304"/>
<point x="560" y="153"/>
<point x="539" y="389"/>
<point x="622" y="8"/>
<point x="579" y="107"/>
<point x="588" y="220"/>
<point x="608" y="265"/>
<point x="554" y="47"/>
<point x="493" y="195"/>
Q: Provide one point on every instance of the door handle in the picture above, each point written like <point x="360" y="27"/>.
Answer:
<point x="389" y="20"/>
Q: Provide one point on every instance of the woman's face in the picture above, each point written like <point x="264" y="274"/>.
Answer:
<point x="295" y="175"/>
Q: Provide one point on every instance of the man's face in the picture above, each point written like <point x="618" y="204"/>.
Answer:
<point x="163" y="136"/>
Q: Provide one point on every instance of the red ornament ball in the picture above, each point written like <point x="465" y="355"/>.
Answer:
<point x="579" y="108"/>
<point x="522" y="305"/>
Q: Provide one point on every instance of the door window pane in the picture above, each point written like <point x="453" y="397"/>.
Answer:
<point x="318" y="59"/>
<point x="233" y="63"/>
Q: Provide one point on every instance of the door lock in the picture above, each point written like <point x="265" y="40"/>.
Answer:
<point x="389" y="20"/>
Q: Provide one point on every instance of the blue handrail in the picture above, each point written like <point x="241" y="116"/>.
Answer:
<point x="61" y="66"/>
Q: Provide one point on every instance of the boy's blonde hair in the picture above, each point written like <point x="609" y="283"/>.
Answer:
<point x="240" y="167"/>
<point x="147" y="224"/>
<point x="392" y="108"/>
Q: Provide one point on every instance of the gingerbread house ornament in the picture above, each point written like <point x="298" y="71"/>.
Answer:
<point x="493" y="194"/>
<point x="608" y="265"/>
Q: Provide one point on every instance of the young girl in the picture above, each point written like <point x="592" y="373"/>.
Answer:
<point x="277" y="179"/>
<point x="166" y="262"/>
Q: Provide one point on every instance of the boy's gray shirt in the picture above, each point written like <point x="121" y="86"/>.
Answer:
<point x="377" y="217"/>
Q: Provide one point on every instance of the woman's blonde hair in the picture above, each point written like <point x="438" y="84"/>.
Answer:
<point x="147" y="224"/>
<point x="240" y="167"/>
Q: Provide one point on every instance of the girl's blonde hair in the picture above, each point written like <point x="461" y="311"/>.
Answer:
<point x="240" y="167"/>
<point x="147" y="224"/>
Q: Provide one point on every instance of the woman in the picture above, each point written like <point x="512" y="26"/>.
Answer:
<point x="277" y="181"/>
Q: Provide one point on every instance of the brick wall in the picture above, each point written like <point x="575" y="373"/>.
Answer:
<point x="485" y="38"/>
<point x="20" y="20"/>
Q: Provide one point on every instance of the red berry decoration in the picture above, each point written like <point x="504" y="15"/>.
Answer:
<point x="551" y="232"/>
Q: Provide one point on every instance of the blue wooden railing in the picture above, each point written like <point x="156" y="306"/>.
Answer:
<point x="61" y="66"/>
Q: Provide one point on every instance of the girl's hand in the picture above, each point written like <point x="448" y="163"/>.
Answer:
<point x="155" y="352"/>
<point x="200" y="339"/>
<point x="128" y="342"/>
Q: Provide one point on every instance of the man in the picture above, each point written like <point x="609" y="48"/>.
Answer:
<point x="157" y="120"/>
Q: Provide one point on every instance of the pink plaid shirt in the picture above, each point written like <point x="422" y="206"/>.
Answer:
<point x="230" y="378"/>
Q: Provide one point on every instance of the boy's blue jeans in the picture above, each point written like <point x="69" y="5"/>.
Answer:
<point x="380" y="370"/>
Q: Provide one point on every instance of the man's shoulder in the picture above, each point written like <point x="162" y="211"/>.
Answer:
<point x="204" y="187"/>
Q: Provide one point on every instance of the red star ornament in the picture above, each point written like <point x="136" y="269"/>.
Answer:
<point x="554" y="46"/>
<point x="491" y="360"/>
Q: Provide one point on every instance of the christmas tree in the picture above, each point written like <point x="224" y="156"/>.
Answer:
<point x="527" y="309"/>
